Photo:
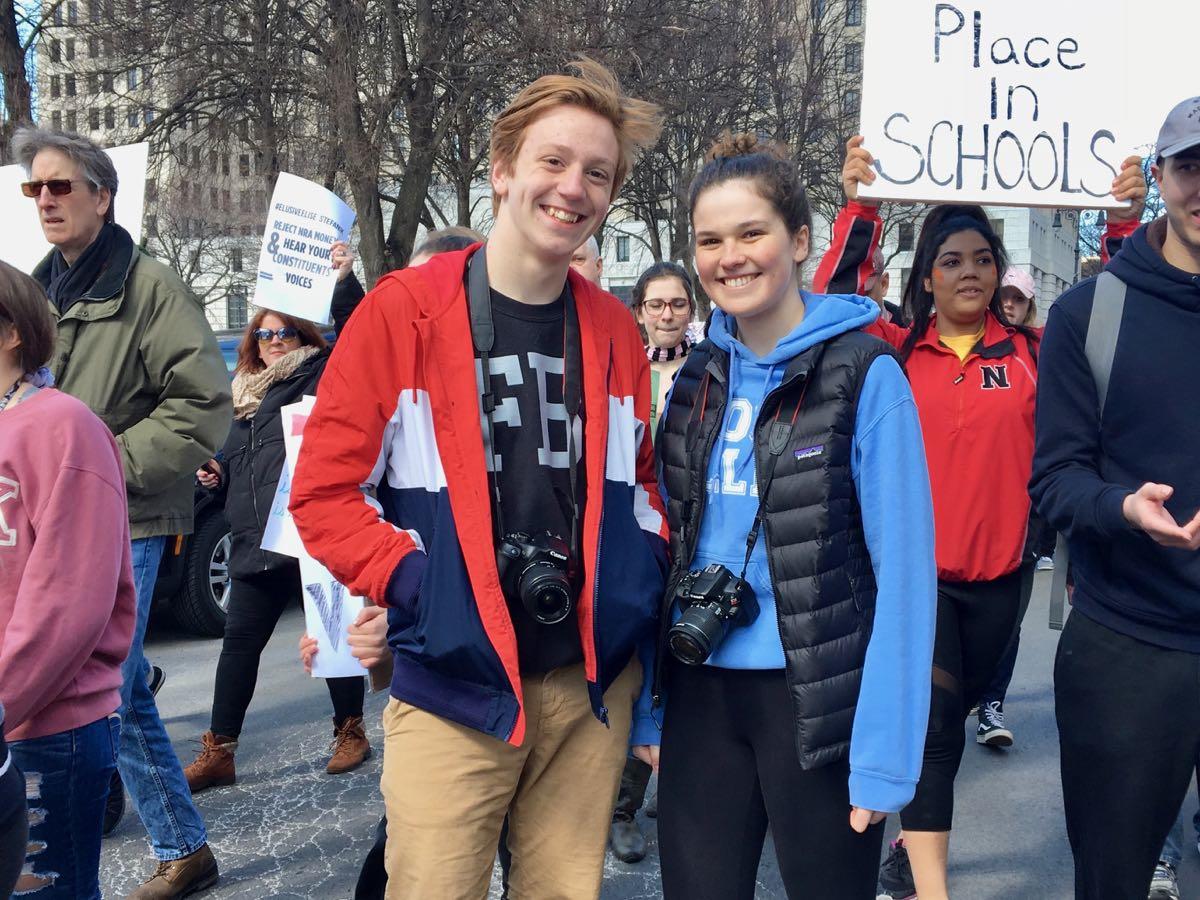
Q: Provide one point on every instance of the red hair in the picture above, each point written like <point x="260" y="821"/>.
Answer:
<point x="248" y="358"/>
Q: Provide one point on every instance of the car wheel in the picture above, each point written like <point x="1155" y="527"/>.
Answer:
<point x="204" y="600"/>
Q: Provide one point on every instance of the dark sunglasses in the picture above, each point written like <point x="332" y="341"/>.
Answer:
<point x="58" y="187"/>
<point x="286" y="333"/>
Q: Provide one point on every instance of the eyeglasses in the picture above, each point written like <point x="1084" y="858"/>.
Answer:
<point x="58" y="187"/>
<point x="266" y="335"/>
<point x="679" y="305"/>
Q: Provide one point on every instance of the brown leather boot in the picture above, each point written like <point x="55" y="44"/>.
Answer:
<point x="350" y="747"/>
<point x="214" y="766"/>
<point x="180" y="877"/>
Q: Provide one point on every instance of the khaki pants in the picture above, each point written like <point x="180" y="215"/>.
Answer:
<point x="447" y="788"/>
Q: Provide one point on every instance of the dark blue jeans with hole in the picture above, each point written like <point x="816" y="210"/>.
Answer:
<point x="66" y="783"/>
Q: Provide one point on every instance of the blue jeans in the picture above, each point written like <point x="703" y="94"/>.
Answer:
<point x="149" y="767"/>
<point x="1172" y="850"/>
<point x="66" y="782"/>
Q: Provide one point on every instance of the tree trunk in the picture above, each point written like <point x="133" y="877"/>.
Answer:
<point x="18" y="106"/>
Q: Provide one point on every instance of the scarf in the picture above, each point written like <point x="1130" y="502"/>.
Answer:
<point x="69" y="283"/>
<point x="668" y="354"/>
<point x="249" y="388"/>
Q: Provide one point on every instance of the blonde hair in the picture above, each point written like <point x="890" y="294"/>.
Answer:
<point x="593" y="87"/>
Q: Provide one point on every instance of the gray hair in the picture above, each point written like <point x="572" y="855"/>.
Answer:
<point x="94" y="164"/>
<point x="593" y="246"/>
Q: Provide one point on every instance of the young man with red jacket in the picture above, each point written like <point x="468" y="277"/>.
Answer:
<point x="423" y="460"/>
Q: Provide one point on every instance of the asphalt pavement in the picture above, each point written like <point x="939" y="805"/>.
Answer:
<point x="288" y="830"/>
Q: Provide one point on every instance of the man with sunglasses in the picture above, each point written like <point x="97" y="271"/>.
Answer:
<point x="133" y="344"/>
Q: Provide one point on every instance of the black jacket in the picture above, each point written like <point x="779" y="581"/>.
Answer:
<point x="1084" y="467"/>
<point x="253" y="459"/>
<point x="816" y="550"/>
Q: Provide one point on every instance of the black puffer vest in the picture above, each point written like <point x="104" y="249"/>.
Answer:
<point x="816" y="551"/>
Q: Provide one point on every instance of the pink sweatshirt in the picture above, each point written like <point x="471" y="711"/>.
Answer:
<point x="67" y="599"/>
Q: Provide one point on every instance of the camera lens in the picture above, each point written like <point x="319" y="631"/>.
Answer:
<point x="546" y="593"/>
<point x="693" y="638"/>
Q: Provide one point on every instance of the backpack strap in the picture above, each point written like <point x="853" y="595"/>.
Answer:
<point x="1104" y="327"/>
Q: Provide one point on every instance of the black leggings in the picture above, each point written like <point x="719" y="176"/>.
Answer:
<point x="255" y="605"/>
<point x="730" y="767"/>
<point x="975" y="621"/>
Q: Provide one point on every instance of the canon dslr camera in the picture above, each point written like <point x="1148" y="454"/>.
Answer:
<point x="712" y="599"/>
<point x="537" y="571"/>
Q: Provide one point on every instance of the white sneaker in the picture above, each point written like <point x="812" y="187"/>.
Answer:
<point x="1164" y="885"/>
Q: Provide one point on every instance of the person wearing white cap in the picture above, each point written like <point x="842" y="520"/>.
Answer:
<point x="1018" y="297"/>
<point x="1114" y="470"/>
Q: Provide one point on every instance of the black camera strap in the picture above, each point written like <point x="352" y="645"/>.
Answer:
<point x="778" y="440"/>
<point x="483" y="335"/>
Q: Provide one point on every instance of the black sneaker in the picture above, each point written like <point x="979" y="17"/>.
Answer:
<point x="1165" y="885"/>
<point x="156" y="679"/>
<point x="114" y="806"/>
<point x="895" y="875"/>
<point x="991" y="731"/>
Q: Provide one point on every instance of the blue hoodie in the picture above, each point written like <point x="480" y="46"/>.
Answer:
<point x="888" y="467"/>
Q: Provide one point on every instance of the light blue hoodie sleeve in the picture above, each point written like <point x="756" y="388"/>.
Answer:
<point x="890" y="474"/>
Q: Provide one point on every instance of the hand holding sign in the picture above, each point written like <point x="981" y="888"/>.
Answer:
<point x="857" y="169"/>
<point x="296" y="270"/>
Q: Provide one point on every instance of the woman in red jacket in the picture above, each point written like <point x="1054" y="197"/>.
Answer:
<point x="974" y="380"/>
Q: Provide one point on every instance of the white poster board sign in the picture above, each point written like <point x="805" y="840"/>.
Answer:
<point x="280" y="535"/>
<point x="329" y="608"/>
<point x="21" y="241"/>
<point x="1013" y="102"/>
<point x="294" y="271"/>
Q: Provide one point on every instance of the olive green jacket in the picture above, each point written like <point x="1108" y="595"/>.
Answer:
<point x="139" y="352"/>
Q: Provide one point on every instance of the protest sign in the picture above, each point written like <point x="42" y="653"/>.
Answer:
<point x="1009" y="102"/>
<point x="280" y="535"/>
<point x="21" y="241"/>
<point x="329" y="611"/>
<point x="294" y="271"/>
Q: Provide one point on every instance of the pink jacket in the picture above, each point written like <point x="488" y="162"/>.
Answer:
<point x="67" y="597"/>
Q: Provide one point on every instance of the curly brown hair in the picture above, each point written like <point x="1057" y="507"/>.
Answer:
<point x="248" y="358"/>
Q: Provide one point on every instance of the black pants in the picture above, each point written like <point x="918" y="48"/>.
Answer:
<point x="255" y="605"/>
<point x="729" y="767"/>
<point x="975" y="621"/>
<point x="1128" y="733"/>
<point x="631" y="796"/>
<point x="997" y="688"/>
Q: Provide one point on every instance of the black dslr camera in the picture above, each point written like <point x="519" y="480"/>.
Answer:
<point x="537" y="571"/>
<point x="711" y="598"/>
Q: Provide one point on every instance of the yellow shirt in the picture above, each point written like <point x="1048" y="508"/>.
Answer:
<point x="962" y="345"/>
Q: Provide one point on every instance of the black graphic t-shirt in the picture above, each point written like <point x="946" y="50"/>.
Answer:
<point x="530" y="426"/>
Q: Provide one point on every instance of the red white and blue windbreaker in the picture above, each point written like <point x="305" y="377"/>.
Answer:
<point x="391" y="495"/>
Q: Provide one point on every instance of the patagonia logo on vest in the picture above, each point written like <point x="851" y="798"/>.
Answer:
<point x="810" y="452"/>
<point x="994" y="378"/>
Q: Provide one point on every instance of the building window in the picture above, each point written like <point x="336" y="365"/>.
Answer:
<point x="623" y="248"/>
<point x="235" y="259"/>
<point x="70" y="49"/>
<point x="58" y="15"/>
<point x="106" y="45"/>
<point x="131" y="79"/>
<point x="148" y="115"/>
<point x="236" y="308"/>
<point x="196" y="158"/>
<point x="212" y="197"/>
<point x="244" y="165"/>
<point x="854" y="12"/>
<point x="853" y="53"/>
<point x="151" y="190"/>
<point x="94" y="11"/>
<point x="72" y="13"/>
<point x="56" y="120"/>
<point x="55" y="50"/>
<point x="110" y="117"/>
<point x="904" y="237"/>
<point x="852" y="101"/>
<point x="55" y="87"/>
<point x="146" y="77"/>
<point x="998" y="227"/>
<point x="94" y="119"/>
<point x="132" y="118"/>
<point x="212" y="162"/>
<point x="70" y="85"/>
<point x="226" y="202"/>
<point x="152" y="224"/>
<point x="94" y="84"/>
<point x="108" y="82"/>
<point x="93" y="47"/>
<point x="224" y="164"/>
<point x="72" y="124"/>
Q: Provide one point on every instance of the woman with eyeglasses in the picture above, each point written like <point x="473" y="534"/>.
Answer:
<point x="280" y="360"/>
<point x="663" y="306"/>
